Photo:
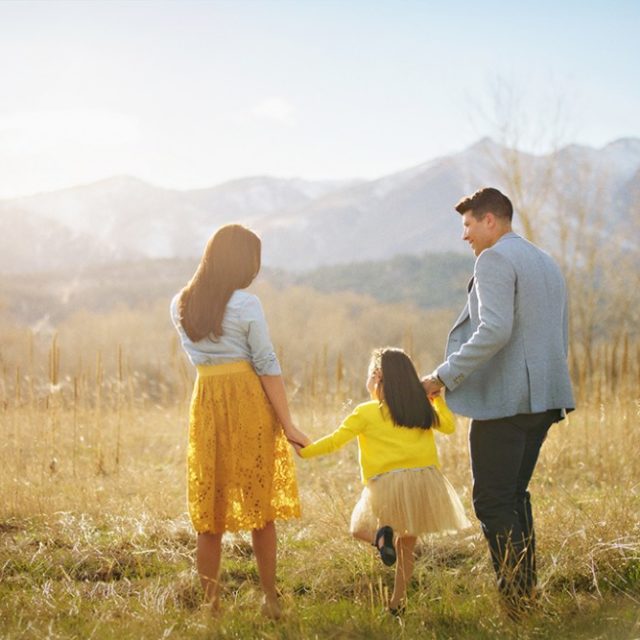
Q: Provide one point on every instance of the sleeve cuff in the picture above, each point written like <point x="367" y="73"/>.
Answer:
<point x="448" y="379"/>
<point x="268" y="366"/>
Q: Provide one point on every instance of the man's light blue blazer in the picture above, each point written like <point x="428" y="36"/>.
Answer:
<point x="507" y="351"/>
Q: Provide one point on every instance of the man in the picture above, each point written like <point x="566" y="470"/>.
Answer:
<point x="506" y="368"/>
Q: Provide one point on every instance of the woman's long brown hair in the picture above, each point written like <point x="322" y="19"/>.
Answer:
<point x="402" y="390"/>
<point x="231" y="261"/>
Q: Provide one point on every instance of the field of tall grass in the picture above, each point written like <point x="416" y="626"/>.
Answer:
<point x="95" y="541"/>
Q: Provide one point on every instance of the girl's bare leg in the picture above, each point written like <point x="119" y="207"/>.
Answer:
<point x="264" y="548"/>
<point x="208" y="551"/>
<point x="365" y="536"/>
<point x="404" y="570"/>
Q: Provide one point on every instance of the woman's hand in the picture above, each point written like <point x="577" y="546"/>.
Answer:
<point x="297" y="439"/>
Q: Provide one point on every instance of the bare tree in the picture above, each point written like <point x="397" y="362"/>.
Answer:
<point x="562" y="199"/>
<point x="527" y="176"/>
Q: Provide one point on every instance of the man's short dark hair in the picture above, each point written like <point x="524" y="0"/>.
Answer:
<point x="484" y="201"/>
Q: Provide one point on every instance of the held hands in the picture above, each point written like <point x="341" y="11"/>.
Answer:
<point x="297" y="439"/>
<point x="432" y="385"/>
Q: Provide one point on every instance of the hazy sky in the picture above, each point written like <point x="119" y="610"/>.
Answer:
<point x="189" y="94"/>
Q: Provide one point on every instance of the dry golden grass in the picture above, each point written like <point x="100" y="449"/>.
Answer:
<point x="95" y="541"/>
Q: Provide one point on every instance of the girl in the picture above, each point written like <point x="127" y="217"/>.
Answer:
<point x="240" y="470"/>
<point x="405" y="494"/>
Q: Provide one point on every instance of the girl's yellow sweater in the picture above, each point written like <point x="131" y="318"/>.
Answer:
<point x="383" y="445"/>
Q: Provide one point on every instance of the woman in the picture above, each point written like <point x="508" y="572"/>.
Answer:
<point x="241" y="474"/>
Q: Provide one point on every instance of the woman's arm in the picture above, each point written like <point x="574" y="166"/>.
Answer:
<point x="266" y="365"/>
<point x="274" y="388"/>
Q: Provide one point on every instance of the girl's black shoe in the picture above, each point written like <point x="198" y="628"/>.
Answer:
<point x="387" y="551"/>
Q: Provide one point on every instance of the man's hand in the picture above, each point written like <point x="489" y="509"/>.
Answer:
<point x="432" y="385"/>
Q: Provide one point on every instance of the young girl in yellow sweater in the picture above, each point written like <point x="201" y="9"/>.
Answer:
<point x="405" y="494"/>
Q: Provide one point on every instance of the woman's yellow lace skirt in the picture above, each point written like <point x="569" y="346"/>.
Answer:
<point x="241" y="473"/>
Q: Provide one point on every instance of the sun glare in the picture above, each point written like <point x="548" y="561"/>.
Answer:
<point x="37" y="131"/>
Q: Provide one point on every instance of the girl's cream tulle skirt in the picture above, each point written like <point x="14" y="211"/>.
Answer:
<point x="241" y="473"/>
<point x="411" y="501"/>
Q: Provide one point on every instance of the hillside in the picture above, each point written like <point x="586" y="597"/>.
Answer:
<point x="430" y="281"/>
<point x="311" y="224"/>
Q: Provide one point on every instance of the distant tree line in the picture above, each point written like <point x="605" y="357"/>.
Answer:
<point x="429" y="281"/>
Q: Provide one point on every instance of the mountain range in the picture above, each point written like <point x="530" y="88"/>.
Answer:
<point x="304" y="224"/>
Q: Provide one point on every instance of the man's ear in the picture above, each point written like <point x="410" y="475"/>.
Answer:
<point x="491" y="219"/>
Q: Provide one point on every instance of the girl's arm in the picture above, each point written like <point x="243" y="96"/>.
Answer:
<point x="274" y="388"/>
<point x="446" y="419"/>
<point x="349" y="429"/>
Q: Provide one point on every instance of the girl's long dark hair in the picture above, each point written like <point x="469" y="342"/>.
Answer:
<point x="231" y="261"/>
<point x="402" y="390"/>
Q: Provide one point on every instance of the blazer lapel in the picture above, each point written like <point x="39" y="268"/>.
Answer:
<point x="464" y="314"/>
